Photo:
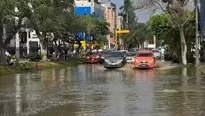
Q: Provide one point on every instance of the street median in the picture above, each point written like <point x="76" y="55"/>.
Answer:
<point x="30" y="66"/>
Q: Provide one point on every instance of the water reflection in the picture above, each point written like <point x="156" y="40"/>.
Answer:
<point x="146" y="75"/>
<point x="18" y="95"/>
<point x="93" y="90"/>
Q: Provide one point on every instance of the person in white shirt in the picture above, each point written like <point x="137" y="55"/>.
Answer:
<point x="162" y="53"/>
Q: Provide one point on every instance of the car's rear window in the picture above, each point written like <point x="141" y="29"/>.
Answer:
<point x="131" y="54"/>
<point x="114" y="54"/>
<point x="93" y="53"/>
<point x="144" y="54"/>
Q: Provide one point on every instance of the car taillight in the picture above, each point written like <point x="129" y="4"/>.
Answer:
<point x="97" y="57"/>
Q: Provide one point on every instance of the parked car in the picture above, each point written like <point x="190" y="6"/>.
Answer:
<point x="156" y="53"/>
<point x="114" y="60"/>
<point x="130" y="57"/>
<point x="93" y="58"/>
<point x="144" y="59"/>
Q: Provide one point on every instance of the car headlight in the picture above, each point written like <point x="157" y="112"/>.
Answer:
<point x="151" y="61"/>
<point x="106" y="60"/>
<point x="119" y="61"/>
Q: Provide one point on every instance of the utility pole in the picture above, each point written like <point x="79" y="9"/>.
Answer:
<point x="197" y="55"/>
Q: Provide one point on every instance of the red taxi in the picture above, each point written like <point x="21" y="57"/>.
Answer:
<point x="93" y="58"/>
<point x="144" y="59"/>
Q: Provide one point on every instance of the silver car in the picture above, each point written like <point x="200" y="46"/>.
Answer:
<point x="114" y="60"/>
<point x="130" y="57"/>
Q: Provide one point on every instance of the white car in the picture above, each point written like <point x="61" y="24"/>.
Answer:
<point x="156" y="53"/>
<point x="130" y="57"/>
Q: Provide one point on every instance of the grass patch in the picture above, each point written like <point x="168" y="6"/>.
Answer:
<point x="28" y="66"/>
<point x="6" y="69"/>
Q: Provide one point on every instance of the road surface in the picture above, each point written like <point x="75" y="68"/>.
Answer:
<point x="91" y="90"/>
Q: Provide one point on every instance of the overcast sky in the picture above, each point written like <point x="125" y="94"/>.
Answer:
<point x="143" y="16"/>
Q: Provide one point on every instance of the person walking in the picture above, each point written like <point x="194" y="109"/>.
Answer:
<point x="162" y="53"/>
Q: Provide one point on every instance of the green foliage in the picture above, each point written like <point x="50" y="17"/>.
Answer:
<point x="160" y="25"/>
<point x="7" y="9"/>
<point x="24" y="66"/>
<point x="21" y="67"/>
<point x="57" y="17"/>
<point x="35" y="57"/>
<point x="96" y="27"/>
<point x="164" y="29"/>
<point x="128" y="13"/>
<point x="137" y="36"/>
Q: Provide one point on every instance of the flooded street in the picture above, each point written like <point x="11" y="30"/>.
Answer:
<point x="90" y="90"/>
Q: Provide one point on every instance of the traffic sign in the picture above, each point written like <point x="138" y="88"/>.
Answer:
<point x="122" y="31"/>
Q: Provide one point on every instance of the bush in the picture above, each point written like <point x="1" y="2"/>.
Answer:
<point x="24" y="66"/>
<point x="35" y="57"/>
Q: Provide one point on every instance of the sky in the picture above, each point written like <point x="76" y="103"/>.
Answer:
<point x="143" y="15"/>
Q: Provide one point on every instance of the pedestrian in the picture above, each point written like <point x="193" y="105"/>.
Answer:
<point x="162" y="53"/>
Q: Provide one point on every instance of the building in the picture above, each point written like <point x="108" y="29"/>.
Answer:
<point x="202" y="26"/>
<point x="28" y="43"/>
<point x="89" y="7"/>
<point x="110" y="16"/>
<point x="202" y="17"/>
<point x="119" y="26"/>
<point x="119" y="21"/>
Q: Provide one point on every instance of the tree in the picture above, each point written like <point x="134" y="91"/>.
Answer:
<point x="12" y="19"/>
<point x="50" y="17"/>
<point x="98" y="28"/>
<point x="179" y="12"/>
<point x="163" y="28"/>
<point x="128" y="14"/>
<point x="137" y="36"/>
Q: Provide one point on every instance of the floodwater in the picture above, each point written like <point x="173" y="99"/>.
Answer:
<point x="90" y="90"/>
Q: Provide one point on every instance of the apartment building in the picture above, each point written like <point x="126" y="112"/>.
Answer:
<point x="110" y="16"/>
<point x="89" y="7"/>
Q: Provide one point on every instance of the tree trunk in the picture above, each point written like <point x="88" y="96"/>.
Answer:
<point x="2" y="52"/>
<point x="183" y="46"/>
<point x="44" y="44"/>
<point x="55" y="51"/>
<point x="2" y="48"/>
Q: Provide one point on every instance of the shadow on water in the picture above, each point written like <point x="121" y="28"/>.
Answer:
<point x="95" y="91"/>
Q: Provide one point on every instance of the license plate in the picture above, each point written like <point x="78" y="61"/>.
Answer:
<point x="93" y="59"/>
<point x="144" y="65"/>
